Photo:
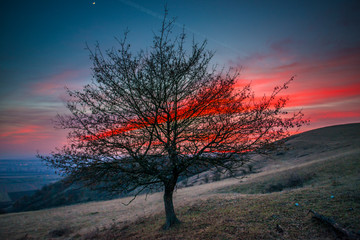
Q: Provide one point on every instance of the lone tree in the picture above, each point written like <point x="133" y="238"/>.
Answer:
<point x="151" y="118"/>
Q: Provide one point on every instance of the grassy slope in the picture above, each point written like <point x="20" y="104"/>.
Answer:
<point x="255" y="216"/>
<point x="230" y="209"/>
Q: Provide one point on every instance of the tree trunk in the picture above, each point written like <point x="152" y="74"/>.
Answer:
<point x="171" y="218"/>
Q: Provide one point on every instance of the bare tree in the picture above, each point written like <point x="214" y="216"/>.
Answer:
<point x="148" y="119"/>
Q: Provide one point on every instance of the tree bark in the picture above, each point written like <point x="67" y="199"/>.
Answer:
<point x="171" y="218"/>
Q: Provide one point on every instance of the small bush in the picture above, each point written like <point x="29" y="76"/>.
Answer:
<point x="206" y="179"/>
<point x="60" y="232"/>
<point x="289" y="181"/>
<point x="250" y="168"/>
<point x="216" y="176"/>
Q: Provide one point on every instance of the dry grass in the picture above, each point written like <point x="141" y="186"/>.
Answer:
<point x="334" y="192"/>
<point x="245" y="217"/>
<point x="84" y="218"/>
<point x="227" y="209"/>
<point x="332" y="168"/>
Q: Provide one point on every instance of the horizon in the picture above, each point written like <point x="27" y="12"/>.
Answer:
<point x="300" y="132"/>
<point x="41" y="52"/>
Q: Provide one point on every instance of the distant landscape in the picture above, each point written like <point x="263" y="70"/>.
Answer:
<point x="20" y="178"/>
<point x="271" y="199"/>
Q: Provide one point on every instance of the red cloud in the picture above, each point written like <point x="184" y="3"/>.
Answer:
<point x="326" y="87"/>
<point x="24" y="134"/>
<point x="27" y="139"/>
<point x="24" y="130"/>
<point x="324" y="95"/>
<point x="21" y="131"/>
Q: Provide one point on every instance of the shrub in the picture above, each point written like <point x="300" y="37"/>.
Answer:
<point x="250" y="168"/>
<point x="292" y="180"/>
<point x="216" y="176"/>
<point x="62" y="231"/>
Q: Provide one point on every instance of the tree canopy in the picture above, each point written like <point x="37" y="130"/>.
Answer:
<point x="151" y="117"/>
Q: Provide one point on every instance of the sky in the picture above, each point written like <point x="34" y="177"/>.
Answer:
<point x="43" y="49"/>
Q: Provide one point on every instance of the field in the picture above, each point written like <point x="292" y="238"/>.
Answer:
<point x="22" y="177"/>
<point x="321" y="172"/>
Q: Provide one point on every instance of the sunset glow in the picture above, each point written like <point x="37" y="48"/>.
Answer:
<point x="41" y="52"/>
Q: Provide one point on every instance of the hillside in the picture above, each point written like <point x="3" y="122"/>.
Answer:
<point x="300" y="147"/>
<point x="320" y="171"/>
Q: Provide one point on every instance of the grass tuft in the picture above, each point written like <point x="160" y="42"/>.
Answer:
<point x="60" y="232"/>
<point x="288" y="181"/>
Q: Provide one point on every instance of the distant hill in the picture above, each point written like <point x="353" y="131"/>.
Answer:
<point x="19" y="178"/>
<point x="24" y="175"/>
<point x="301" y="148"/>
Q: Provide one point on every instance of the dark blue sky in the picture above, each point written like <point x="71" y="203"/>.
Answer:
<point x="42" y="49"/>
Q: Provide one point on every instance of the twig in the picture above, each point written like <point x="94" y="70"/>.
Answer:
<point x="335" y="225"/>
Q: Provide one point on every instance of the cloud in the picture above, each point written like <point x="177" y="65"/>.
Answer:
<point x="282" y="46"/>
<point x="20" y="125"/>
<point x="26" y="115"/>
<point x="25" y="138"/>
<point x="20" y="131"/>
<point x="56" y="82"/>
<point x="325" y="86"/>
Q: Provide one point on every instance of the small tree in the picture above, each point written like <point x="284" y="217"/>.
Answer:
<point x="150" y="118"/>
